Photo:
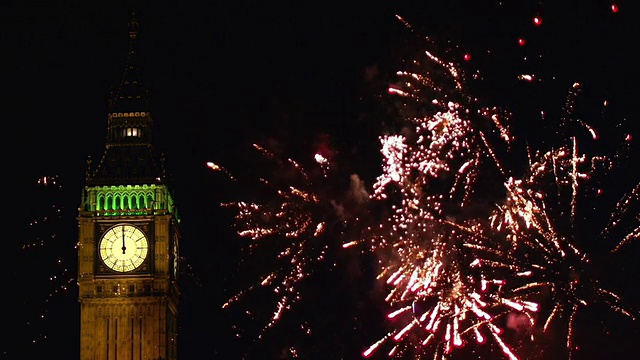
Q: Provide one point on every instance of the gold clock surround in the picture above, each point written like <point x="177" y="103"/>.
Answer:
<point x="123" y="248"/>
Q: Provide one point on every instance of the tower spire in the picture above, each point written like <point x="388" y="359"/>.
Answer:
<point x="129" y="156"/>
<point x="133" y="25"/>
<point x="131" y="94"/>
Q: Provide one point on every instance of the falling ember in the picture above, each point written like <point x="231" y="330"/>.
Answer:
<point x="215" y="167"/>
<point x="396" y="91"/>
<point x="537" y="21"/>
<point x="372" y="349"/>
<point x="41" y="237"/>
<point x="505" y="349"/>
<point x="349" y="244"/>
<point x="526" y="77"/>
<point x="401" y="333"/>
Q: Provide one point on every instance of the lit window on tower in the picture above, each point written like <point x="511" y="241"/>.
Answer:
<point x="132" y="132"/>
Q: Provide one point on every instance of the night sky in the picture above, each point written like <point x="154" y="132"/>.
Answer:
<point x="304" y="75"/>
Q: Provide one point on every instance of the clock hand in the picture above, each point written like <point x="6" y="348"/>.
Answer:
<point x="124" y="248"/>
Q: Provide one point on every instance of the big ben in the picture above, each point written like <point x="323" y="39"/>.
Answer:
<point x="128" y="235"/>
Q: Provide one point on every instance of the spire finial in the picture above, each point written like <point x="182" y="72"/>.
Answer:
<point x="133" y="25"/>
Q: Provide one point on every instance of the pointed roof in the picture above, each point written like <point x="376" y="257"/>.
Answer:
<point x="131" y="94"/>
<point x="129" y="157"/>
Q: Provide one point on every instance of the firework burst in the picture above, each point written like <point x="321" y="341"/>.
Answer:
<point x="549" y="233"/>
<point x="443" y="296"/>
<point x="438" y="290"/>
<point x="438" y="257"/>
<point x="459" y="256"/>
<point x="298" y="218"/>
<point x="446" y="137"/>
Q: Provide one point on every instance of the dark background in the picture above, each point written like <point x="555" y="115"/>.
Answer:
<point x="223" y="74"/>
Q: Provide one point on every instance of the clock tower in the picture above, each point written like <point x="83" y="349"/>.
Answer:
<point x="128" y="236"/>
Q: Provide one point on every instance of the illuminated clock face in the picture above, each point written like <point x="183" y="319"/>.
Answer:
<point x="123" y="248"/>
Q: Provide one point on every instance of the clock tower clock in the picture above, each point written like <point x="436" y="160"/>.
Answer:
<point x="129" y="236"/>
<point x="123" y="248"/>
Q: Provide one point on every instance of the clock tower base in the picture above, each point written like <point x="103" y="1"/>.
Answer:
<point x="127" y="329"/>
